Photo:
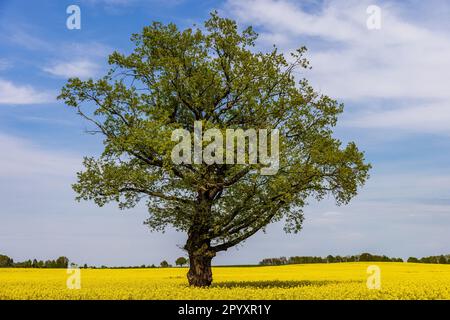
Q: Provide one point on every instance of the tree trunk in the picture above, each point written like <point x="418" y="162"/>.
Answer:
<point x="198" y="245"/>
<point x="200" y="256"/>
<point x="200" y="273"/>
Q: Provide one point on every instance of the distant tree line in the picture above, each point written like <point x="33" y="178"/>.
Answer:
<point x="7" y="262"/>
<point x="329" y="259"/>
<point x="442" y="259"/>
<point x="180" y="261"/>
<point x="63" y="262"/>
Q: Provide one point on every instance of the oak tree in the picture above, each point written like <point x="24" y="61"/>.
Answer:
<point x="215" y="75"/>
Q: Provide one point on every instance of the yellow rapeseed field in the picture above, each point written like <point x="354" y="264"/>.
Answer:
<point x="312" y="281"/>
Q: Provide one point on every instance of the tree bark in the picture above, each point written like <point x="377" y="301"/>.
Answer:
<point x="200" y="273"/>
<point x="200" y="257"/>
<point x="198" y="244"/>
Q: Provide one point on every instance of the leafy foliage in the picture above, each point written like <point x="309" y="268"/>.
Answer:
<point x="7" y="262"/>
<point x="181" y="261"/>
<point x="363" y="257"/>
<point x="173" y="78"/>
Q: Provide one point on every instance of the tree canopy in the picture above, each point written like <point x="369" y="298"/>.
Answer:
<point x="181" y="261"/>
<point x="214" y="75"/>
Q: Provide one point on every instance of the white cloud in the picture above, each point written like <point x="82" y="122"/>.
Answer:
<point x="87" y="49"/>
<point x="331" y="213"/>
<point x="82" y="68"/>
<point x="27" y="40"/>
<point x="111" y="2"/>
<point x="4" y="64"/>
<point x="85" y="62"/>
<point x="403" y="60"/>
<point x="85" y="57"/>
<point x="329" y="218"/>
<point x="11" y="93"/>
<point x="400" y="60"/>
<point x="123" y="3"/>
<point x="25" y="159"/>
<point x="431" y="118"/>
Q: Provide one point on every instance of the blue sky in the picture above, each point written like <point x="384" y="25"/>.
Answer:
<point x="394" y="83"/>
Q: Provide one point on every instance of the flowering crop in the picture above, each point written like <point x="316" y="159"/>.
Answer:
<point x="311" y="281"/>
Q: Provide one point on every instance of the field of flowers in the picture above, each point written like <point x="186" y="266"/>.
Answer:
<point x="313" y="281"/>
